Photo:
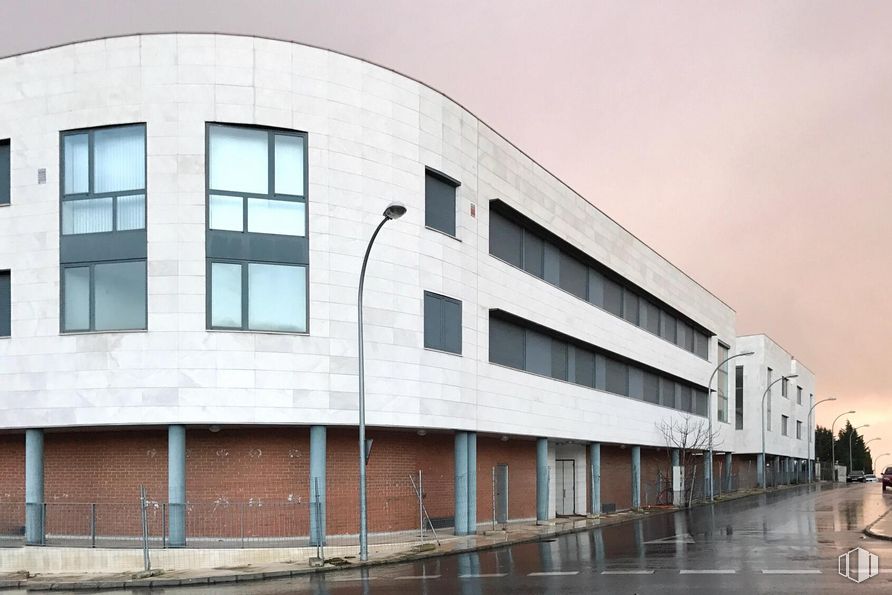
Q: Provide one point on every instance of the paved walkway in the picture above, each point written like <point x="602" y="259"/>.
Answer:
<point x="515" y="534"/>
<point x="882" y="527"/>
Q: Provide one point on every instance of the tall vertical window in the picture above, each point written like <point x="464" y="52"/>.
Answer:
<point x="784" y="384"/>
<point x="798" y="430"/>
<point x="103" y="239"/>
<point x="5" y="190"/>
<point x="738" y="398"/>
<point x="5" y="304"/>
<point x="439" y="201"/>
<point x="257" y="229"/>
<point x="721" y="386"/>
<point x="785" y="422"/>
<point x="442" y="323"/>
<point x="768" y="398"/>
<point x="799" y="395"/>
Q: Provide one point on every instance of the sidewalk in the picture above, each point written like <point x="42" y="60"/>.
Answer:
<point x="882" y="527"/>
<point x="515" y="534"/>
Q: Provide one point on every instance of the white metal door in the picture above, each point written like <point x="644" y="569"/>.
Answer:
<point x="565" y="481"/>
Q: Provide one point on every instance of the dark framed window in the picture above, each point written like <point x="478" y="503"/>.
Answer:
<point x="506" y="241"/>
<point x="506" y="344"/>
<point x="442" y="323"/>
<point x="651" y="388"/>
<point x="784" y="384"/>
<point x="630" y="306"/>
<point x="439" y="201"/>
<point x="798" y="430"/>
<point x="799" y="395"/>
<point x="257" y="219"/>
<point x="613" y="297"/>
<point x="768" y="399"/>
<point x="721" y="384"/>
<point x="584" y="368"/>
<point x="5" y="304"/>
<point x="667" y="393"/>
<point x="104" y="296"/>
<point x="617" y="377"/>
<point x="785" y="421"/>
<point x="652" y="318"/>
<point x="103" y="229"/>
<point x="574" y="276"/>
<point x="738" y="398"/>
<point x="5" y="168"/>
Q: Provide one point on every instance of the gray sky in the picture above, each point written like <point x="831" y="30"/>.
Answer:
<point x="746" y="142"/>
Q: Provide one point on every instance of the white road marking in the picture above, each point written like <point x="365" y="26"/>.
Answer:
<point x="627" y="572"/>
<point x="555" y="573"/>
<point x="708" y="571"/>
<point x="793" y="571"/>
<point x="684" y="538"/>
<point x="495" y="575"/>
<point x="418" y="578"/>
<point x="351" y="580"/>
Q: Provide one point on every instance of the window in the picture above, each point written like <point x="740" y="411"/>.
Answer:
<point x="768" y="399"/>
<point x="103" y="239"/>
<point x="784" y="422"/>
<point x="738" y="398"/>
<point x="5" y="190"/>
<point x="799" y="395"/>
<point x="439" y="202"/>
<point x="442" y="323"/>
<point x="798" y="430"/>
<point x="783" y="384"/>
<point x="257" y="229"/>
<point x="721" y="386"/>
<point x="514" y="345"/>
<point x="525" y="245"/>
<point x="5" y="304"/>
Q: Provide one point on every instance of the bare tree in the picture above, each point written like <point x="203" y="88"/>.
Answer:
<point x="690" y="436"/>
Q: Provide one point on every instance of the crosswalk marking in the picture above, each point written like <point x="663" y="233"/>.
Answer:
<point x="418" y="578"/>
<point x="793" y="571"/>
<point x="494" y="575"/>
<point x="707" y="571"/>
<point x="627" y="572"/>
<point x="555" y="573"/>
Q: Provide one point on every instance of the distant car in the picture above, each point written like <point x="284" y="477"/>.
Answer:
<point x="855" y="477"/>
<point x="870" y="478"/>
<point x="887" y="478"/>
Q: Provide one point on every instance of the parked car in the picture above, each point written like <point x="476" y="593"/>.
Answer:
<point x="870" y="478"/>
<point x="887" y="478"/>
<point x="855" y="477"/>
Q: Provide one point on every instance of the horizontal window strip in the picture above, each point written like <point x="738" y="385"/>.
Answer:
<point x="526" y="346"/>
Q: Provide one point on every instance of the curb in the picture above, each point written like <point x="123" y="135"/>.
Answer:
<point x="869" y="532"/>
<point x="162" y="582"/>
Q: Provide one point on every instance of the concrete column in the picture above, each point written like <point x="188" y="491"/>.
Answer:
<point x="176" y="485"/>
<point x="594" y="455"/>
<point x="34" y="487"/>
<point x="472" y="482"/>
<point x="778" y="476"/>
<point x="677" y="496"/>
<point x="708" y="482"/>
<point x="636" y="477"/>
<point x="461" y="483"/>
<point x="728" y="475"/>
<point x="542" y="479"/>
<point x="760" y="470"/>
<point x="317" y="485"/>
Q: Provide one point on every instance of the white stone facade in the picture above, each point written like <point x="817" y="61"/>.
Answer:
<point x="371" y="134"/>
<point x="769" y="354"/>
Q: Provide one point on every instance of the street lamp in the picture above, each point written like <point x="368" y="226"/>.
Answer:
<point x="876" y="461"/>
<point x="811" y="466"/>
<point x="765" y="394"/>
<point x="709" y="416"/>
<point x="391" y="213"/>
<point x="865" y="448"/>
<point x="850" y="443"/>
<point x="833" y="442"/>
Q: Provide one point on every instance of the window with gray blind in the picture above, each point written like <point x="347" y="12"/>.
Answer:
<point x="256" y="241"/>
<point x="721" y="385"/>
<point x="523" y="244"/>
<point x="5" y="165"/>
<point x="103" y="229"/>
<point x="442" y="323"/>
<point x="439" y="201"/>
<point x="798" y="430"/>
<point x="514" y="344"/>
<point x="799" y="395"/>
<point x="785" y="422"/>
<point x="738" y="398"/>
<point x="5" y="304"/>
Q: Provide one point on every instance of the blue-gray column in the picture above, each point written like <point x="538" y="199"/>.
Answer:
<point x="472" y="482"/>
<point x="594" y="455"/>
<point x="636" y="477"/>
<point x="461" y="483"/>
<point x="778" y="476"/>
<point x="542" y="479"/>
<point x="729" y="459"/>
<point x="760" y="470"/>
<point x="317" y="485"/>
<point x="34" y="487"/>
<point x="176" y="484"/>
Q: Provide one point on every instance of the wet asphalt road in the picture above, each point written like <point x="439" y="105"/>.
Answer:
<point x="784" y="542"/>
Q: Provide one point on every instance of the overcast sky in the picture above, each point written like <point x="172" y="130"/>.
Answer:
<point x="747" y="142"/>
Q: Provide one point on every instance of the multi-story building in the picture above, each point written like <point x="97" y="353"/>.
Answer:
<point x="773" y="400"/>
<point x="184" y="226"/>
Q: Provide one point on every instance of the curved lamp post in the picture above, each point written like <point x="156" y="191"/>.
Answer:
<point x="391" y="213"/>
<point x="811" y="436"/>
<point x="710" y="482"/>
<point x="833" y="442"/>
<point x="865" y="448"/>
<point x="765" y="394"/>
<point x="876" y="461"/>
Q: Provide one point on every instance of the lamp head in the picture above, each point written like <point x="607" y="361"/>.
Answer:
<point x="394" y="211"/>
<point x="791" y="376"/>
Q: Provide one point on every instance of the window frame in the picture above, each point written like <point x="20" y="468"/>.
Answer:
<point x="799" y="429"/>
<point x="450" y="181"/>
<point x="722" y="388"/>
<point x="739" y="379"/>
<point x="5" y="303"/>
<point x="6" y="172"/>
<point x="91" y="266"/>
<point x="785" y="425"/>
<point x="441" y="298"/>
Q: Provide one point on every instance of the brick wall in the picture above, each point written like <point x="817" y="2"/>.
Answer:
<point x="520" y="456"/>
